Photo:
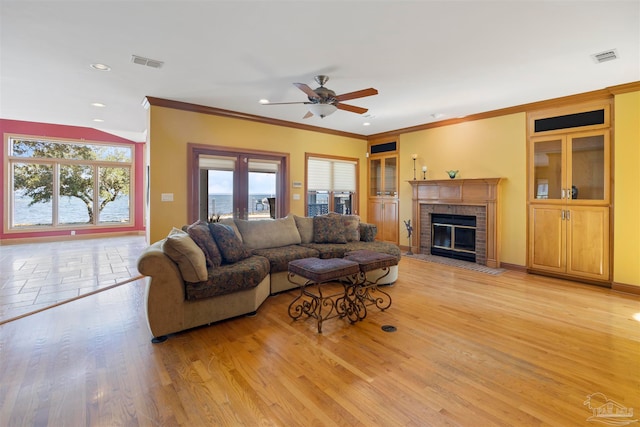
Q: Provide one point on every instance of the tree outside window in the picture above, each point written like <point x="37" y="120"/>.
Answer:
<point x="68" y="184"/>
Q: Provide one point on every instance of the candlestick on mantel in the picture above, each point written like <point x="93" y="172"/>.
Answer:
<point x="424" y="172"/>
<point x="414" y="157"/>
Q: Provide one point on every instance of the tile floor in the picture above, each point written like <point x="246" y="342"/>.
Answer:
<point x="37" y="275"/>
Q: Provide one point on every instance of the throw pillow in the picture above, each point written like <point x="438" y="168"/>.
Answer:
<point x="328" y="229"/>
<point x="231" y="223"/>
<point x="229" y="244"/>
<point x="190" y="259"/>
<point x="199" y="232"/>
<point x="269" y="233"/>
<point x="351" y="225"/>
<point x="305" y="228"/>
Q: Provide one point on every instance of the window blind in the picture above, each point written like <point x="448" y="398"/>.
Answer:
<point x="331" y="175"/>
<point x="217" y="163"/>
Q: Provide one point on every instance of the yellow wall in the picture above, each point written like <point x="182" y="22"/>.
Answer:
<point x="626" y="215"/>
<point x="489" y="148"/>
<point x="494" y="147"/>
<point x="170" y="130"/>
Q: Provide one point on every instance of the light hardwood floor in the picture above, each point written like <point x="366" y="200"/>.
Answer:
<point x="470" y="349"/>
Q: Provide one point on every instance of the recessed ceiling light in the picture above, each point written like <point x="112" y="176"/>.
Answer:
<point x="264" y="101"/>
<point x="98" y="104"/>
<point x="98" y="120"/>
<point x="366" y="124"/>
<point x="100" y="67"/>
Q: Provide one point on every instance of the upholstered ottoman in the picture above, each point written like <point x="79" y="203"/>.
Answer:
<point x="313" y="302"/>
<point x="366" y="290"/>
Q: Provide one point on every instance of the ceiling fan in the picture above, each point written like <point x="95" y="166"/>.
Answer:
<point x="323" y="101"/>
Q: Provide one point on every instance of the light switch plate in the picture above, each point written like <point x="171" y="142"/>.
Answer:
<point x="296" y="196"/>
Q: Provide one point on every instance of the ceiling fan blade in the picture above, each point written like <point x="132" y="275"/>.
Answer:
<point x="284" y="103"/>
<point x="352" y="108"/>
<point x="309" y="114"/>
<point x="357" y="94"/>
<point x="306" y="89"/>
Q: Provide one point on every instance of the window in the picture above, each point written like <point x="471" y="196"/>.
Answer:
<point x="331" y="185"/>
<point x="68" y="184"/>
<point x="228" y="183"/>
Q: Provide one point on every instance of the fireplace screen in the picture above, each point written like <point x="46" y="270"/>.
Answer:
<point x="454" y="236"/>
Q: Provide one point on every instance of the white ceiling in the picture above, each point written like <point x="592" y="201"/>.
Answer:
<point x="448" y="58"/>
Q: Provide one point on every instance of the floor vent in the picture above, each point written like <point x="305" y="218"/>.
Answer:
<point x="608" y="55"/>
<point x="146" y="61"/>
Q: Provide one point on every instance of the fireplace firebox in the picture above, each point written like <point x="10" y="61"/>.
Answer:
<point x="454" y="236"/>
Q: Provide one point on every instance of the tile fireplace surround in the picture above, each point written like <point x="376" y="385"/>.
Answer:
<point x="476" y="197"/>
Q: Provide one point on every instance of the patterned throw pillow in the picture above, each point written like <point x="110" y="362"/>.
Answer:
<point x="351" y="225"/>
<point x="328" y="229"/>
<point x="199" y="232"/>
<point x="230" y="246"/>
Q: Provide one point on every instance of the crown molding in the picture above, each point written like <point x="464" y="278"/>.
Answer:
<point x="195" y="108"/>
<point x="523" y="108"/>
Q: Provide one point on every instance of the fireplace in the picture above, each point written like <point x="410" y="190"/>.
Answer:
<point x="454" y="236"/>
<point x="429" y="213"/>
<point x="478" y="199"/>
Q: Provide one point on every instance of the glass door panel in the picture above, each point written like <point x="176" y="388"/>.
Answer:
<point x="375" y="177"/>
<point x="217" y="188"/>
<point x="390" y="183"/>
<point x="263" y="176"/>
<point x="588" y="168"/>
<point x="547" y="169"/>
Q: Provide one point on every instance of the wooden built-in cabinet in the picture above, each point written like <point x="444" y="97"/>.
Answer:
<point x="569" y="194"/>
<point x="383" y="195"/>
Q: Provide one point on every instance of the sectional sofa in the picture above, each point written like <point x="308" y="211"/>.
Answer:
<point x="207" y="272"/>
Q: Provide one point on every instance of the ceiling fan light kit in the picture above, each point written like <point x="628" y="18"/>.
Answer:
<point x="323" y="101"/>
<point x="322" y="110"/>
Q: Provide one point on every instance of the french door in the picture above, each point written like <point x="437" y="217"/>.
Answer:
<point x="235" y="184"/>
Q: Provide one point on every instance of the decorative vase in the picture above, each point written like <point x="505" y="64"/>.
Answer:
<point x="452" y="174"/>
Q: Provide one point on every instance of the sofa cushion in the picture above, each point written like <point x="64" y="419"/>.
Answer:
<point x="328" y="250"/>
<point x="279" y="257"/>
<point x="328" y="229"/>
<point x="305" y="228"/>
<point x="351" y="224"/>
<point x="382" y="247"/>
<point x="199" y="232"/>
<point x="231" y="248"/>
<point x="269" y="233"/>
<point x="228" y="278"/>
<point x="182" y="250"/>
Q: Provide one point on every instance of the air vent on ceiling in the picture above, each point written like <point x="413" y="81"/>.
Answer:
<point x="608" y="55"/>
<point x="140" y="60"/>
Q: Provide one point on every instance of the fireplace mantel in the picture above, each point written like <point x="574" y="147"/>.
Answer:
<point x="461" y="192"/>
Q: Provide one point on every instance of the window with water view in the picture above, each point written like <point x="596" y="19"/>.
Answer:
<point x="64" y="184"/>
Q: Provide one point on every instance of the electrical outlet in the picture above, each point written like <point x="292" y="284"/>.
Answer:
<point x="73" y="232"/>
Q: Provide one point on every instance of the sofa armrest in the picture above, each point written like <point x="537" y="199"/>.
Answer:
<point x="165" y="291"/>
<point x="368" y="232"/>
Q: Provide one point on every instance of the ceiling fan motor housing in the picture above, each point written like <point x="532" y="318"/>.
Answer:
<point x="325" y="96"/>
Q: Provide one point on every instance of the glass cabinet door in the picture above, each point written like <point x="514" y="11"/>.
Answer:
<point x="375" y="177"/>
<point x="588" y="172"/>
<point x="548" y="160"/>
<point x="390" y="182"/>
